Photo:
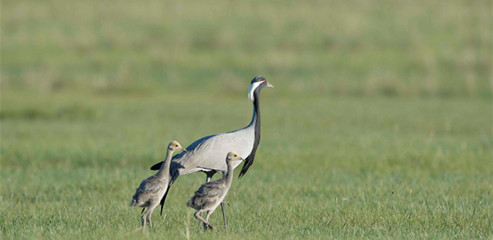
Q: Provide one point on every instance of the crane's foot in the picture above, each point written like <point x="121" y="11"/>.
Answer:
<point x="203" y="225"/>
<point x="202" y="221"/>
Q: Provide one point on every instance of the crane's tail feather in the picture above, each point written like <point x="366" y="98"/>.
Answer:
<point x="157" y="166"/>
<point x="247" y="164"/>
<point x="164" y="199"/>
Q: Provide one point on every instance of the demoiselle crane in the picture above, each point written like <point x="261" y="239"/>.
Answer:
<point x="208" y="152"/>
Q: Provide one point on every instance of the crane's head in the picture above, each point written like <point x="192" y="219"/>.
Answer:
<point x="232" y="156"/>
<point x="175" y="146"/>
<point x="255" y="86"/>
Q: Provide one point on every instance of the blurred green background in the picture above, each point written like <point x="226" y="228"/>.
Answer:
<point x="379" y="125"/>
<point x="360" y="48"/>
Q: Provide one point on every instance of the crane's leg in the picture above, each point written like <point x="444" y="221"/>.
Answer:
<point x="207" y="179"/>
<point x="197" y="216"/>
<point x="205" y="224"/>
<point x="144" y="220"/>
<point x="207" y="220"/>
<point x="150" y="209"/>
<point x="224" y="216"/>
<point x="200" y="223"/>
<point x="149" y="219"/>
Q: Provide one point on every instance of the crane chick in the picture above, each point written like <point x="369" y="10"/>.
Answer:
<point x="211" y="194"/>
<point x="151" y="190"/>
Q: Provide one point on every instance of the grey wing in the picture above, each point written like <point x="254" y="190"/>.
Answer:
<point x="148" y="189"/>
<point x="151" y="185"/>
<point x="210" y="189"/>
<point x="197" y="143"/>
<point x="211" y="152"/>
<point x="206" y="195"/>
<point x="192" y="147"/>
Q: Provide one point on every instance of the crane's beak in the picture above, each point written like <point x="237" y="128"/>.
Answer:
<point x="184" y="149"/>
<point x="269" y="85"/>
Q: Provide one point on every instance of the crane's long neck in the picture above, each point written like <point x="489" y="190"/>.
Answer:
<point x="255" y="123"/>
<point x="256" y="114"/>
<point x="164" y="170"/>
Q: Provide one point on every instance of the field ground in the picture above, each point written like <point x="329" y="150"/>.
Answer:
<point x="380" y="125"/>
<point x="326" y="167"/>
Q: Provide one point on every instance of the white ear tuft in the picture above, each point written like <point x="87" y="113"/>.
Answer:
<point x="252" y="88"/>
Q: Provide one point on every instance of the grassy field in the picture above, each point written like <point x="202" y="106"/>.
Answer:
<point x="342" y="167"/>
<point x="380" y="125"/>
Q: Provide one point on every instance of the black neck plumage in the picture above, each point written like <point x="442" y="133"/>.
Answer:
<point x="256" y="121"/>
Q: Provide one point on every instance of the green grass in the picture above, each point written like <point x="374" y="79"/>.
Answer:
<point x="380" y="125"/>
<point x="326" y="167"/>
